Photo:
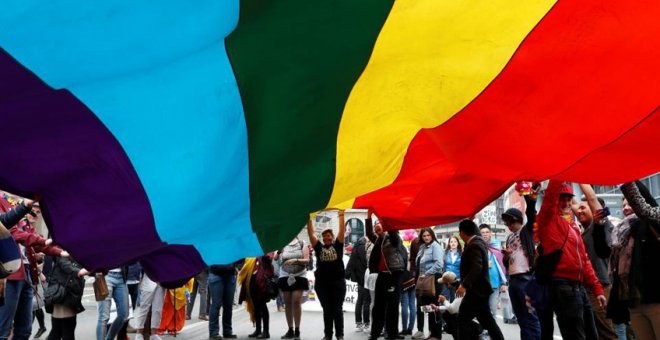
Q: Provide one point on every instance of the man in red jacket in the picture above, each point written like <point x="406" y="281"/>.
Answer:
<point x="557" y="229"/>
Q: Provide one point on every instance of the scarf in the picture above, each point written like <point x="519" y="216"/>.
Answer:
<point x="244" y="278"/>
<point x="620" y="264"/>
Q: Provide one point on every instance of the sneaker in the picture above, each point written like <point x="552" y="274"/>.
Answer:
<point x="418" y="335"/>
<point x="204" y="317"/>
<point x="366" y="327"/>
<point x="358" y="327"/>
<point x="289" y="334"/>
<point x="40" y="332"/>
<point x="154" y="337"/>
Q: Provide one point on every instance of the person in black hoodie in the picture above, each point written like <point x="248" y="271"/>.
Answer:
<point x="222" y="285"/>
<point x="355" y="270"/>
<point x="475" y="285"/>
<point x="63" y="297"/>
<point x="388" y="261"/>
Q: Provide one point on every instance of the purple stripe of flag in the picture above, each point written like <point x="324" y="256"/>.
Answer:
<point x="55" y="148"/>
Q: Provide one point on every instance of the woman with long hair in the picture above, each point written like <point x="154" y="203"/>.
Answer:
<point x="255" y="279"/>
<point x="453" y="254"/>
<point x="430" y="263"/>
<point x="633" y="263"/>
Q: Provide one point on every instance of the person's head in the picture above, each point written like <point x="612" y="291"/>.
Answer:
<point x="448" y="278"/>
<point x="513" y="219"/>
<point x="34" y="215"/>
<point x="584" y="213"/>
<point x="378" y="228"/>
<point x="627" y="209"/>
<point x="328" y="236"/>
<point x="566" y="198"/>
<point x="485" y="232"/>
<point x="467" y="229"/>
<point x="454" y="244"/>
<point x="427" y="236"/>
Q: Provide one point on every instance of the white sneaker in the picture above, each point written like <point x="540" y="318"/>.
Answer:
<point x="155" y="337"/>
<point x="418" y="335"/>
<point x="139" y="336"/>
<point x="359" y="327"/>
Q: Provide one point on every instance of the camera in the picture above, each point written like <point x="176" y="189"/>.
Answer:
<point x="427" y="308"/>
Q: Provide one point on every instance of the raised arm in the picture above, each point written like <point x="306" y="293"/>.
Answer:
<point x="592" y="200"/>
<point x="369" y="228"/>
<point x="310" y="232"/>
<point x="342" y="227"/>
<point x="638" y="203"/>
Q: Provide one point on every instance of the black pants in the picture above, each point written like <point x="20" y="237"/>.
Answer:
<point x="62" y="329"/>
<point x="39" y="315"/>
<point x="362" y="305"/>
<point x="331" y="293"/>
<point x="261" y="316"/>
<point x="386" y="305"/>
<point x="476" y="306"/>
<point x="574" y="314"/>
<point x="435" y="319"/>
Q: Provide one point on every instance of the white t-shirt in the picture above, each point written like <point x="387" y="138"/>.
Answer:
<point x="518" y="263"/>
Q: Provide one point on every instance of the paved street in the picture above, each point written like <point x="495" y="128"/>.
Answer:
<point x="312" y="324"/>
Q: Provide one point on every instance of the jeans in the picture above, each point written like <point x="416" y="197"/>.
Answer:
<point x="222" y="290"/>
<point x="118" y="291"/>
<point x="530" y="326"/>
<point x="571" y="305"/>
<point x="621" y="330"/>
<point x="201" y="286"/>
<point x="408" y="309"/>
<point x="331" y="295"/>
<point x="492" y="301"/>
<point x="17" y="310"/>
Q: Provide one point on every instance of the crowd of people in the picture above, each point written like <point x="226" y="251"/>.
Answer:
<point x="567" y="262"/>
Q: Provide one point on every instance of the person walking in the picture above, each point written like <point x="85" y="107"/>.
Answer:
<point x="475" y="287"/>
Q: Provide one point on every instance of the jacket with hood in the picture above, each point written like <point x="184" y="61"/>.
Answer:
<point x="553" y="230"/>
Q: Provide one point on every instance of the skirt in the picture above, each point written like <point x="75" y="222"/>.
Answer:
<point x="300" y="284"/>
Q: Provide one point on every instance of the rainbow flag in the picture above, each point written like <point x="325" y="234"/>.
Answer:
<point x="189" y="133"/>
